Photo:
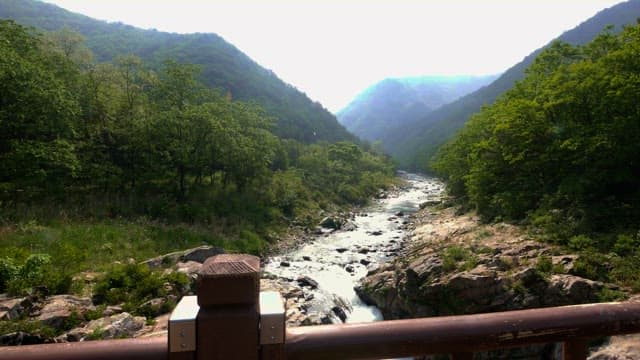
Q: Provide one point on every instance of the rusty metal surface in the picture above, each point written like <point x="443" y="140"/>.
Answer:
<point x="128" y="349"/>
<point x="456" y="334"/>
<point x="228" y="333"/>
<point x="227" y="325"/>
<point x="228" y="264"/>
<point x="577" y="349"/>
<point x="229" y="280"/>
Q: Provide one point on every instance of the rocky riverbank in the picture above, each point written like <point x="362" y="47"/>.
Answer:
<point x="454" y="264"/>
<point x="70" y="318"/>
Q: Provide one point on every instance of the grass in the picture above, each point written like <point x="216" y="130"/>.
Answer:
<point x="458" y="258"/>
<point x="92" y="246"/>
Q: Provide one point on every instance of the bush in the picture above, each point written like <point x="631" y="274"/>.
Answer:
<point x="592" y="265"/>
<point x="625" y="245"/>
<point x="458" y="258"/>
<point x="134" y="284"/>
<point x="544" y="265"/>
<point x="36" y="271"/>
<point x="580" y="242"/>
<point x="8" y="271"/>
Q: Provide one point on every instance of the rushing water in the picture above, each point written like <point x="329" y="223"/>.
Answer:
<point x="338" y="260"/>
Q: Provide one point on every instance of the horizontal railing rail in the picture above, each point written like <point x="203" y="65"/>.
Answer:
<point x="154" y="348"/>
<point x="462" y="334"/>
<point x="230" y="319"/>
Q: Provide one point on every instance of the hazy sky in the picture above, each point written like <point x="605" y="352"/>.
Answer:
<point x="334" y="49"/>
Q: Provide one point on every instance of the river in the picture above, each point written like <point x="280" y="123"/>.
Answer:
<point x="336" y="261"/>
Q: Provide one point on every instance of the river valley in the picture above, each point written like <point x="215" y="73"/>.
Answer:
<point x="328" y="267"/>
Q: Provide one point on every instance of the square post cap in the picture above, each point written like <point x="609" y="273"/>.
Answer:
<point x="229" y="279"/>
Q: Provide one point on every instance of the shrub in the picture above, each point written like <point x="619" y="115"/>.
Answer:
<point x="8" y="271"/>
<point x="36" y="271"/>
<point x="544" y="265"/>
<point x="625" y="245"/>
<point x="580" y="242"/>
<point x="458" y="258"/>
<point x="133" y="284"/>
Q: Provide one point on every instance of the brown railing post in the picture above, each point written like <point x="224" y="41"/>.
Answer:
<point x="227" y="322"/>
<point x="575" y="349"/>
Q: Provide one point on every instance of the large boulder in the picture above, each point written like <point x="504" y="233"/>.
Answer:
<point x="123" y="325"/>
<point x="574" y="289"/>
<point x="21" y="338"/>
<point x="626" y="347"/>
<point x="58" y="309"/>
<point x="199" y="254"/>
<point x="332" y="222"/>
<point x="13" y="308"/>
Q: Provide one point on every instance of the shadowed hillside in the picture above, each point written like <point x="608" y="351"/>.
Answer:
<point x="223" y="65"/>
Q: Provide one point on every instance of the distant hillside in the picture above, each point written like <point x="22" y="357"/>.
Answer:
<point x="413" y="144"/>
<point x="223" y="65"/>
<point x="392" y="103"/>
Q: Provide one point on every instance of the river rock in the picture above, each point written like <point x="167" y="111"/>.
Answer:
<point x="112" y="310"/>
<point x="332" y="222"/>
<point x="340" y="313"/>
<point x="430" y="203"/>
<point x="21" y="338"/>
<point x="188" y="267"/>
<point x="58" y="308"/>
<point x="349" y="226"/>
<point x="503" y="276"/>
<point x="13" y="308"/>
<point x="626" y="347"/>
<point x="574" y="289"/>
<point x="307" y="281"/>
<point x="198" y="254"/>
<point x="122" y="325"/>
<point x="154" y="307"/>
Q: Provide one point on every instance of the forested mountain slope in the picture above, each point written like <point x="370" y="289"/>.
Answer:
<point x="223" y="65"/>
<point x="415" y="143"/>
<point x="392" y="103"/>
<point x="560" y="151"/>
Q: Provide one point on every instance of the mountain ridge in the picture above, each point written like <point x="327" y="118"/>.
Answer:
<point x="414" y="149"/>
<point x="223" y="65"/>
<point x="396" y="101"/>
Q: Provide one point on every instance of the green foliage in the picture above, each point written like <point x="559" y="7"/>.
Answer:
<point x="609" y="295"/>
<point x="121" y="140"/>
<point x="593" y="265"/>
<point x="222" y="65"/>
<point x="580" y="242"/>
<point x="544" y="265"/>
<point x="8" y="271"/>
<point x="133" y="284"/>
<point x="560" y="150"/>
<point x="34" y="327"/>
<point x="626" y="245"/>
<point x="458" y="258"/>
<point x="36" y="271"/>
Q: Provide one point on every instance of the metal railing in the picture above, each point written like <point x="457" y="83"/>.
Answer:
<point x="231" y="319"/>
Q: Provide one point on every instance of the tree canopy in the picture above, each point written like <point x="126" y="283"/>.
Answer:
<point x="561" y="146"/>
<point x="155" y="143"/>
